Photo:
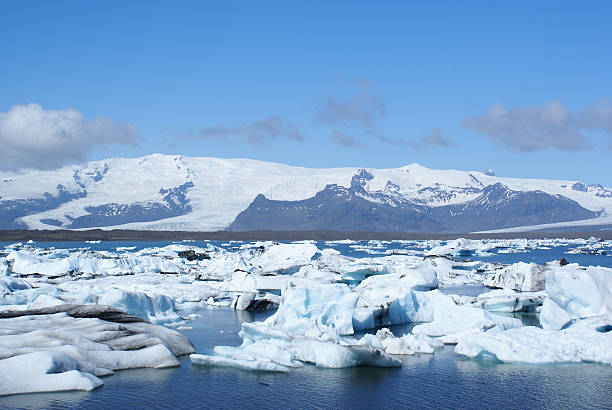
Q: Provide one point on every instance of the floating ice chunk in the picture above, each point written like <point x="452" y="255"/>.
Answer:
<point x="580" y="292"/>
<point x="449" y="318"/>
<point x="504" y="300"/>
<point x="326" y="350"/>
<point x="321" y="308"/>
<point x="177" y="343"/>
<point x="252" y="364"/>
<point x="352" y="269"/>
<point x="284" y="258"/>
<point x="60" y="263"/>
<point x="451" y="272"/>
<point x="222" y="265"/>
<point x="315" y="274"/>
<point x="335" y="355"/>
<point x="552" y="316"/>
<point x="392" y="299"/>
<point x="4" y="268"/>
<point x="243" y="301"/>
<point x="25" y="263"/>
<point x="156" y="308"/>
<point x="408" y="344"/>
<point x="521" y="276"/>
<point x="586" y="340"/>
<point x="22" y="295"/>
<point x="252" y="301"/>
<point x="262" y="351"/>
<point x="252" y="282"/>
<point x="461" y="248"/>
<point x="71" y="341"/>
<point x="43" y="371"/>
<point x="307" y="327"/>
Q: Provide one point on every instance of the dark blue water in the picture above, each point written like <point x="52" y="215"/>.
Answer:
<point x="441" y="380"/>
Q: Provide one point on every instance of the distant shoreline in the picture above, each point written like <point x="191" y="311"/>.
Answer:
<point x="133" y="235"/>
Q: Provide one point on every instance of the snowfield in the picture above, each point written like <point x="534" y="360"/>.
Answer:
<point x="71" y="316"/>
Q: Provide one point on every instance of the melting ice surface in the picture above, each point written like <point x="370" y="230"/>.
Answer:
<point x="441" y="318"/>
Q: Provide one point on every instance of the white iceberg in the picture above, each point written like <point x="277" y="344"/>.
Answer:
<point x="308" y="327"/>
<point x="154" y="307"/>
<point x="588" y="340"/>
<point x="504" y="300"/>
<point x="67" y="347"/>
<point x="576" y="292"/>
<point x="461" y="248"/>
<point x="43" y="371"/>
<point x="521" y="276"/>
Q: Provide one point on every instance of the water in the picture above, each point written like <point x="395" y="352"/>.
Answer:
<point x="441" y="380"/>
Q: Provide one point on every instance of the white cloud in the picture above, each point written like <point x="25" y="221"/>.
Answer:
<point x="32" y="137"/>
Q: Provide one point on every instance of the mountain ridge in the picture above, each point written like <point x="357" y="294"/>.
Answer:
<point x="126" y="193"/>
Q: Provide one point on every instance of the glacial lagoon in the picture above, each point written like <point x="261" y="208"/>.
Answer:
<point x="444" y="379"/>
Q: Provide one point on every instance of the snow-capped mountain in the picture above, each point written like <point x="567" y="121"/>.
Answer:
<point x="164" y="192"/>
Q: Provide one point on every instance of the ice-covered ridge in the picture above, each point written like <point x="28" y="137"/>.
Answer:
<point x="222" y="188"/>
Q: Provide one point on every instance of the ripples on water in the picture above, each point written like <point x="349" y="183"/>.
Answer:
<point x="441" y="380"/>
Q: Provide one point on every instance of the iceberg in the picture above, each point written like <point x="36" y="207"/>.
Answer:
<point x="43" y="371"/>
<point x="68" y="347"/>
<point x="576" y="292"/>
<point x="576" y="319"/>
<point x="587" y="340"/>
<point x="521" y="276"/>
<point x="4" y="267"/>
<point x="156" y="308"/>
<point x="504" y="300"/>
<point x="408" y="344"/>
<point x="461" y="248"/>
<point x="453" y="322"/>
<point x="308" y="327"/>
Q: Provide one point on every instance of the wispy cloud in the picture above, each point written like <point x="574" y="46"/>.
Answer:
<point x="363" y="109"/>
<point x="435" y="139"/>
<point x="346" y="140"/>
<point x="253" y="133"/>
<point x="32" y="137"/>
<point x="358" y="115"/>
<point x="551" y="126"/>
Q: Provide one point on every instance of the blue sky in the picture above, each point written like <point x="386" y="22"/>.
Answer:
<point x="520" y="87"/>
